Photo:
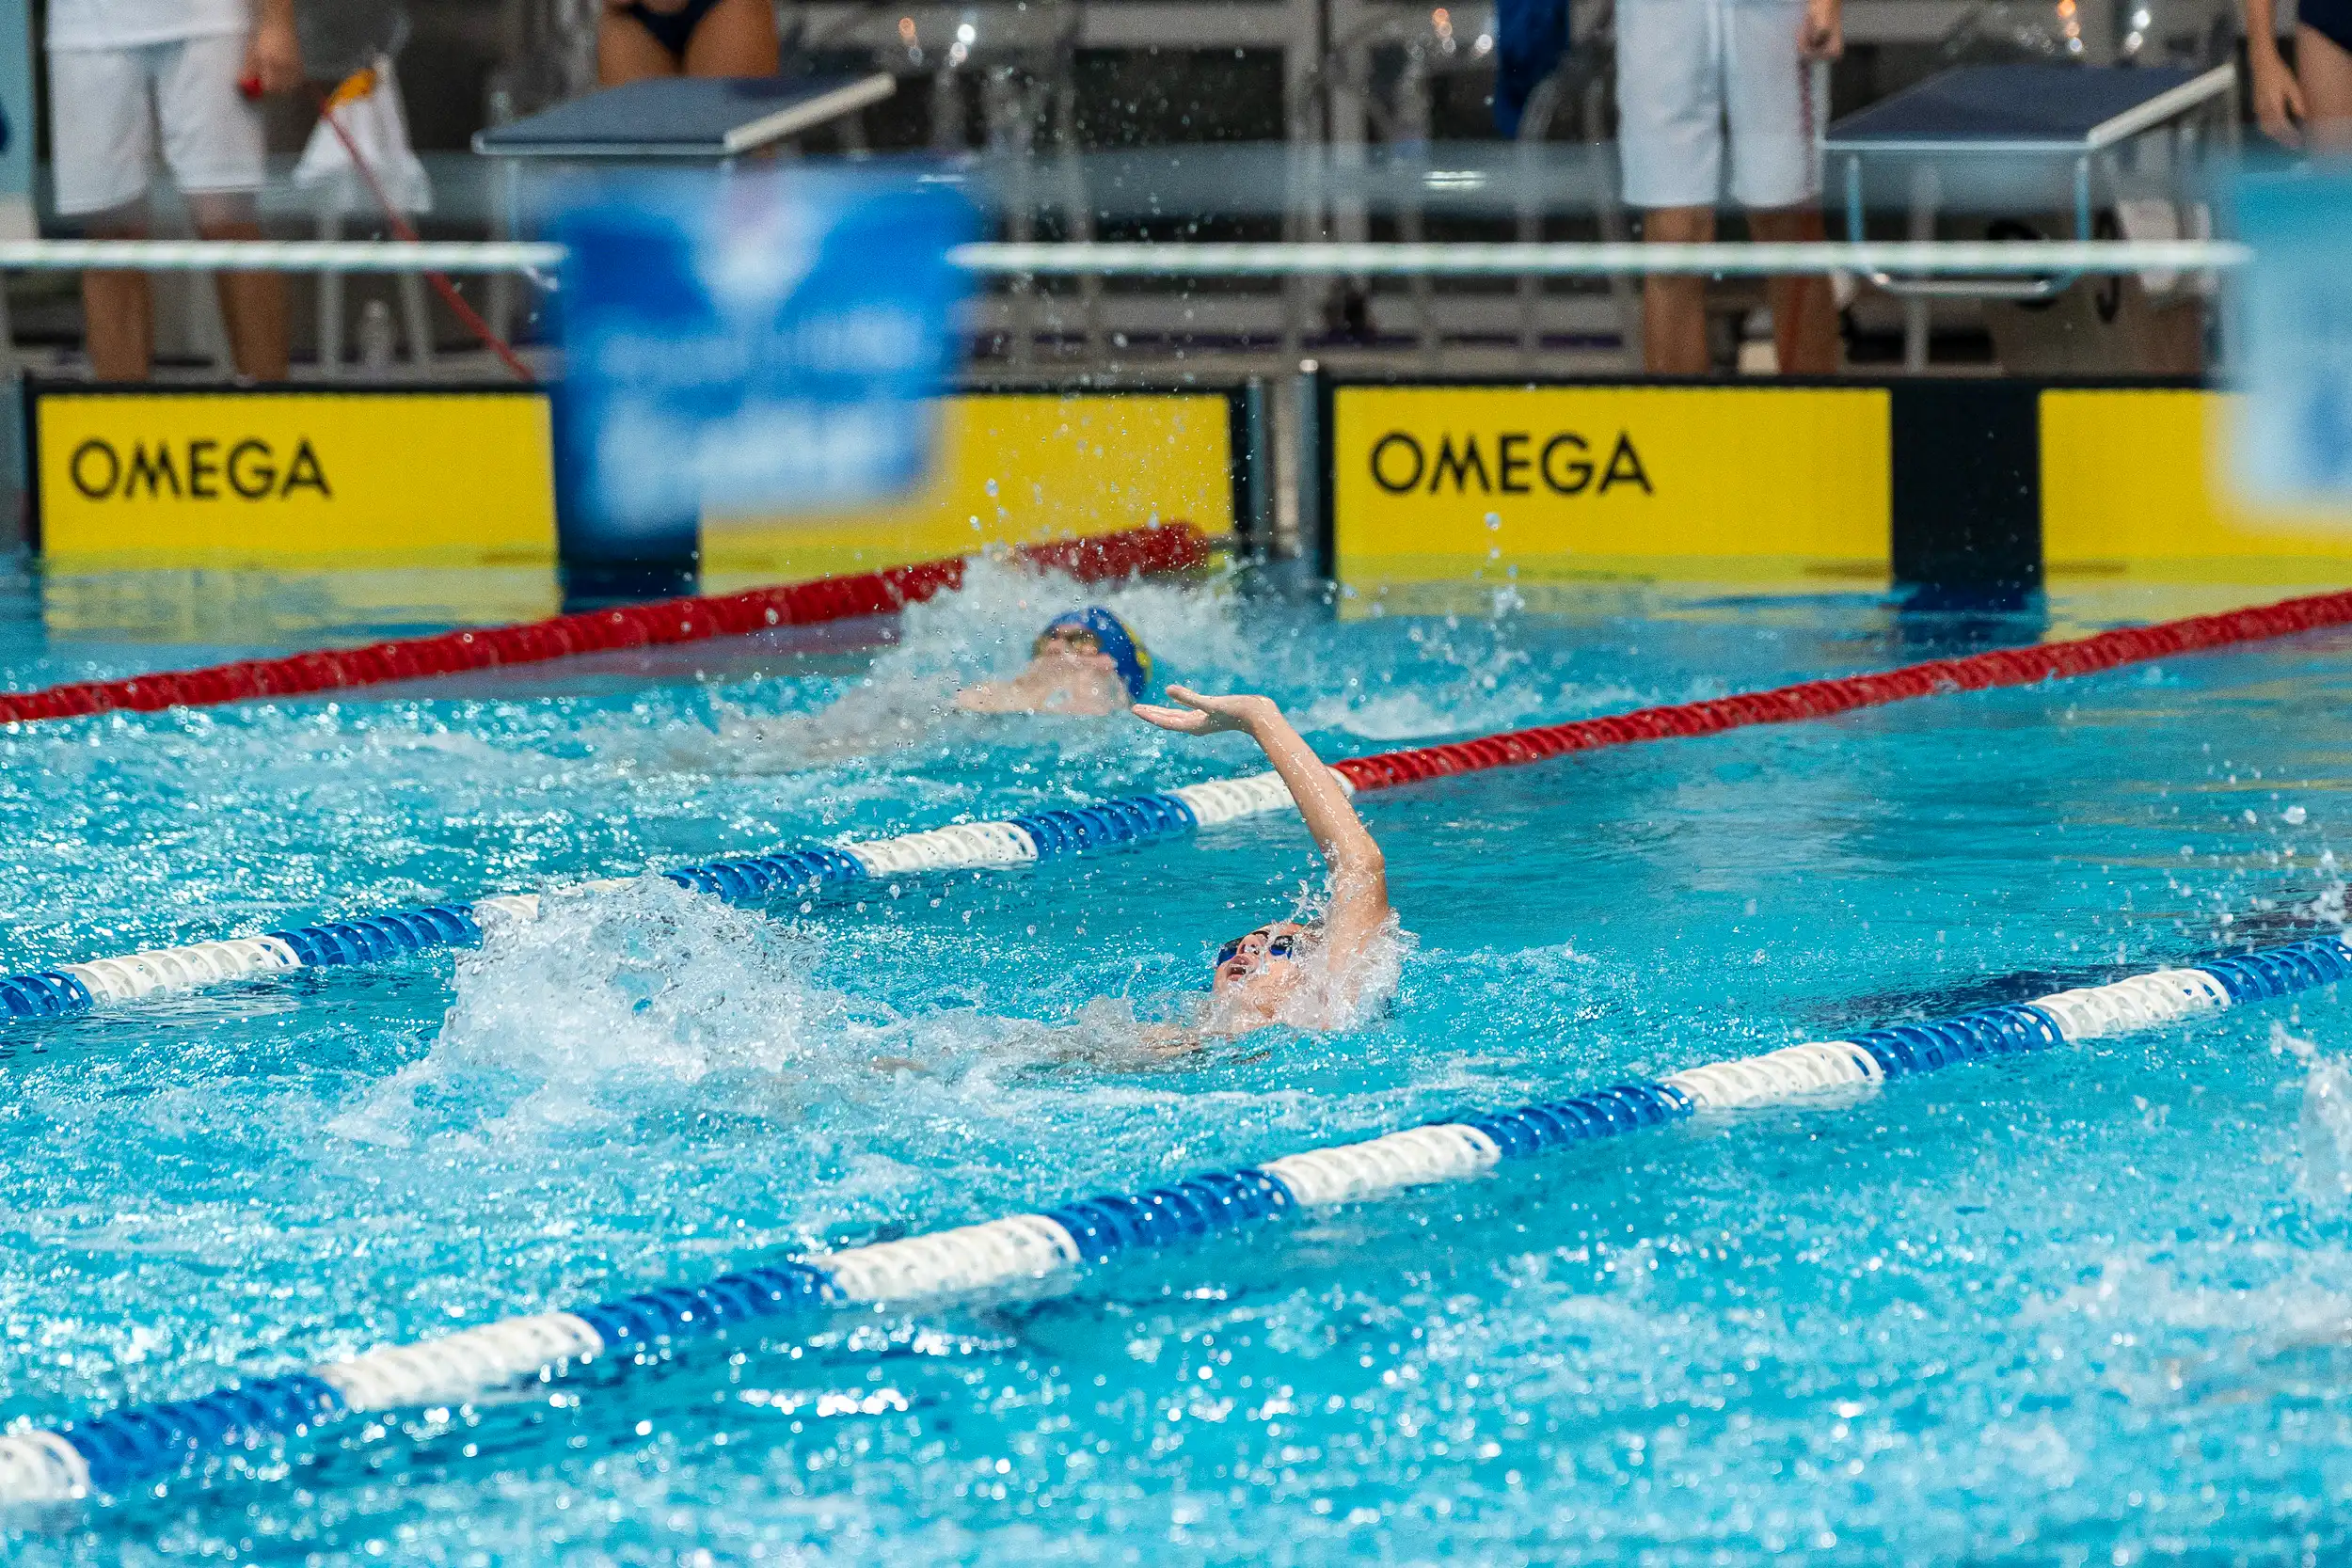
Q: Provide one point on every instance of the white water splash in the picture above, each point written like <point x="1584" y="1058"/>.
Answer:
<point x="652" y="1003"/>
<point x="612" y="1003"/>
<point x="1410" y="715"/>
<point x="1453" y="676"/>
<point x="2325" y="1129"/>
<point x="906" y="698"/>
<point x="986" y="628"/>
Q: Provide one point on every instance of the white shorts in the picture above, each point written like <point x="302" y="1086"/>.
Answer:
<point x="1685" y="70"/>
<point x="104" y="106"/>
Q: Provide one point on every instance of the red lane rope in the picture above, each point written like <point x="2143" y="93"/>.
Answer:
<point x="1160" y="547"/>
<point x="1821" y="699"/>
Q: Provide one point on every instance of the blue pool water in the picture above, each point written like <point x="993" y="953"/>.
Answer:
<point x="2084" y="1307"/>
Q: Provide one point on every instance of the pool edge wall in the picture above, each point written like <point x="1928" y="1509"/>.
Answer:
<point x="363" y="481"/>
<point x="1976" y="485"/>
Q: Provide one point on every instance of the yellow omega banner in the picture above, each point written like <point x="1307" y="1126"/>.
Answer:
<point x="1011" y="467"/>
<point x="1549" y="484"/>
<point x="2135" y="483"/>
<point x="294" y="479"/>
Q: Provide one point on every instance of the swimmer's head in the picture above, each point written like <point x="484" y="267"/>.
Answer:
<point x="1270" y="951"/>
<point x="1096" y="631"/>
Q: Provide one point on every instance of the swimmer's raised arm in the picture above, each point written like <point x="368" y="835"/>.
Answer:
<point x="1359" y="873"/>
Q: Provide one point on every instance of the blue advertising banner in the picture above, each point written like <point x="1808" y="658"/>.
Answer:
<point x="2291" y="320"/>
<point x="763" y="341"/>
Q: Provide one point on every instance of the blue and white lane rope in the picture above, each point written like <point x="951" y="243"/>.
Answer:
<point x="1043" y="835"/>
<point x="142" y="1444"/>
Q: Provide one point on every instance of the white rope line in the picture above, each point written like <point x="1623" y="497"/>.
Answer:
<point x="967" y="844"/>
<point x="1777" y="1075"/>
<point x="1448" y="1151"/>
<point x="166" y="969"/>
<point x="959" y="847"/>
<point x="40" y="1466"/>
<point x="2132" y="1003"/>
<point x="1106" y="258"/>
<point x="461" y="1367"/>
<point x="1216" y="800"/>
<point x="969" y="1258"/>
<point x="2137" y="1002"/>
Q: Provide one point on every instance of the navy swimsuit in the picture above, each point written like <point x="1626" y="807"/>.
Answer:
<point x="670" y="29"/>
<point x="2330" y="19"/>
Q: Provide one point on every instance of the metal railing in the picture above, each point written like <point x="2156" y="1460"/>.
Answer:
<point x="1127" y="259"/>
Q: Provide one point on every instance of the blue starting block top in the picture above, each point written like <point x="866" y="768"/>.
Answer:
<point x="685" y="117"/>
<point x="2055" y="109"/>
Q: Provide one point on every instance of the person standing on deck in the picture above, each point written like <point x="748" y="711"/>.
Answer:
<point x="123" y="73"/>
<point x="1698" y="79"/>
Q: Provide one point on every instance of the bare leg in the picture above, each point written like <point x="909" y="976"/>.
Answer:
<point x="1674" y="308"/>
<point x="119" y="308"/>
<point x="2324" y="70"/>
<point x="1804" y="310"/>
<point x="252" y="302"/>
<point x="738" y="38"/>
<point x="626" y="53"/>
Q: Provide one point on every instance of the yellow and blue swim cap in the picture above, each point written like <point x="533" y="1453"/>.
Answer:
<point x="1111" y="634"/>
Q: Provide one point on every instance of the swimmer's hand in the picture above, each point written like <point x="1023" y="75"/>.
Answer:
<point x="1205" y="715"/>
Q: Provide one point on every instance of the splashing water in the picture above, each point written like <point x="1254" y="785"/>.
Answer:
<point x="905" y="699"/>
<point x="2325" y="1130"/>
<point x="1193" y="631"/>
<point x="609" y="1002"/>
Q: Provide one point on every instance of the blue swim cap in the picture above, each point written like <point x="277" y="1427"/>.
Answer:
<point x="1135" y="663"/>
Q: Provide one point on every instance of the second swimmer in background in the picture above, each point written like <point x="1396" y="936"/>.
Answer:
<point x="1086" y="664"/>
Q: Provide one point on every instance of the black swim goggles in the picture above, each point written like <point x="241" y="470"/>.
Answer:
<point x="1279" y="946"/>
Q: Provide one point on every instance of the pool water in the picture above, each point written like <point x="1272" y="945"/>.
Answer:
<point x="2084" y="1307"/>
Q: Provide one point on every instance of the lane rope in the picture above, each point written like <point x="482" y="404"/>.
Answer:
<point x="1136" y="821"/>
<point x="1042" y="835"/>
<point x="1823" y="698"/>
<point x="141" y="1444"/>
<point x="1156" y="547"/>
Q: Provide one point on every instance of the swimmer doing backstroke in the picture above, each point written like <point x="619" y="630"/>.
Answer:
<point x="1086" y="664"/>
<point x="1321" y="976"/>
<point x="1324" y="975"/>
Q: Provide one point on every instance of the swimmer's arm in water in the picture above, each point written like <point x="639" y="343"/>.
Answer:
<point x="994" y="697"/>
<point x="1359" y="873"/>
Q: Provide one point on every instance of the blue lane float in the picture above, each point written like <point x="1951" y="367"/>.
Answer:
<point x="1106" y="827"/>
<point x="141" y="1445"/>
